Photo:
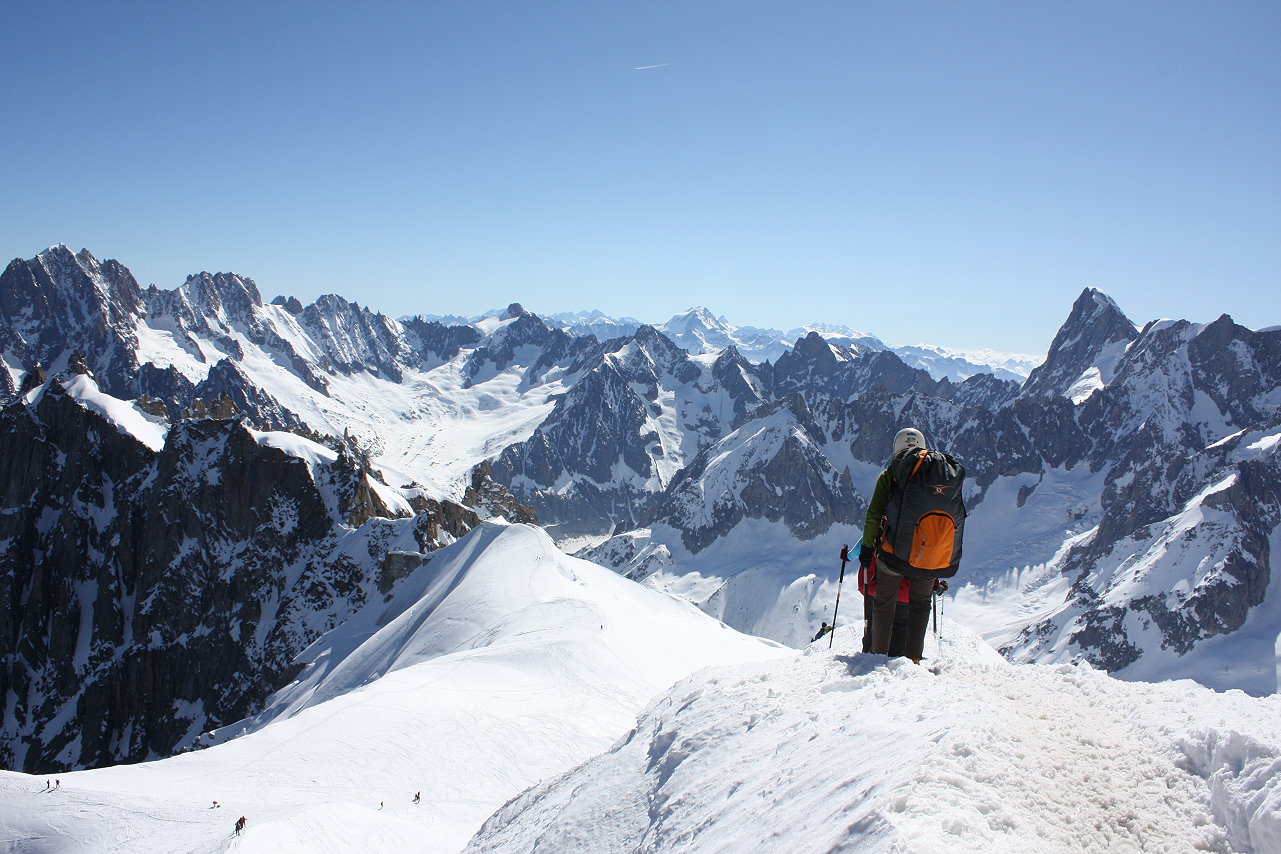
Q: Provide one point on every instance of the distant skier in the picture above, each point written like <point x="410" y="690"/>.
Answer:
<point x="215" y="806"/>
<point x="418" y="796"/>
<point x="822" y="631"/>
<point x="240" y="824"/>
<point x="57" y="784"/>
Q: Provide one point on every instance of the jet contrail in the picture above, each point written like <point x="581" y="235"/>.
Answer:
<point x="659" y="65"/>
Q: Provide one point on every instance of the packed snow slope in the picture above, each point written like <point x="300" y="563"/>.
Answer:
<point x="832" y="752"/>
<point x="499" y="663"/>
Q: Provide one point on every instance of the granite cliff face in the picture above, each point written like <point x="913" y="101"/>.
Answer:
<point x="152" y="593"/>
<point x="60" y="301"/>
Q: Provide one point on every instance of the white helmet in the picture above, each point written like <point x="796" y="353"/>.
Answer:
<point x="908" y="437"/>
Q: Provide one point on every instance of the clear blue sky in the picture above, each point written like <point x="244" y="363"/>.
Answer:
<point x="943" y="172"/>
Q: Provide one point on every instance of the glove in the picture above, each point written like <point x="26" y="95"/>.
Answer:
<point x="865" y="556"/>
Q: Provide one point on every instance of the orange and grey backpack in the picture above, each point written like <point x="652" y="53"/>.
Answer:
<point x="924" y="516"/>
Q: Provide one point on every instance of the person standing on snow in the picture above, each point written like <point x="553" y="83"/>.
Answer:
<point x="914" y="522"/>
<point x="898" y="635"/>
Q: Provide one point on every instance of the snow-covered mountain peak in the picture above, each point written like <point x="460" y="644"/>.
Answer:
<point x="819" y="349"/>
<point x="840" y="334"/>
<point x="696" y="318"/>
<point x="595" y="322"/>
<point x="660" y="347"/>
<point x="697" y="330"/>
<point x="1086" y="350"/>
<point x="61" y="254"/>
<point x="106" y="285"/>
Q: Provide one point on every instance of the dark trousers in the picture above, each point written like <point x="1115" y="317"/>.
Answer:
<point x="920" y="590"/>
<point x="898" y="635"/>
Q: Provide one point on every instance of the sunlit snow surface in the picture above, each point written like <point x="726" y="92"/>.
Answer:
<point x="504" y="663"/>
<point x="123" y="414"/>
<point x="501" y="662"/>
<point x="432" y="427"/>
<point x="834" y="752"/>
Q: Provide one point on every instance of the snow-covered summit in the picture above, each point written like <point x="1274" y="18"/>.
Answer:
<point x="1086" y="351"/>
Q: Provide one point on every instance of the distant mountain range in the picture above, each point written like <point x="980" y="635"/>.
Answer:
<point x="198" y="484"/>
<point x="699" y="332"/>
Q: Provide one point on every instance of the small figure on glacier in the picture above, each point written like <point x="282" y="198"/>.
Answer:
<point x="823" y="630"/>
<point x="240" y="824"/>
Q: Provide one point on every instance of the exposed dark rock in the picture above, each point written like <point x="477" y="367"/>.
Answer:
<point x="226" y="382"/>
<point x="151" y="406"/>
<point x="76" y="364"/>
<point x="437" y="343"/>
<point x="291" y="305"/>
<point x="32" y="379"/>
<point x="398" y="566"/>
<point x="163" y="594"/>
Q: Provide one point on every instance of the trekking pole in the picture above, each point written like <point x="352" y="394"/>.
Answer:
<point x="845" y="558"/>
<point x="942" y="602"/>
<point x="940" y="587"/>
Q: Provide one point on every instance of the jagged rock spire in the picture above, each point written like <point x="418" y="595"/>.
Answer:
<point x="33" y="379"/>
<point x="77" y="364"/>
<point x="1094" y="335"/>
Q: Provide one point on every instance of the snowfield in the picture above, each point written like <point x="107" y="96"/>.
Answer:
<point x="856" y="753"/>
<point x="504" y="664"/>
